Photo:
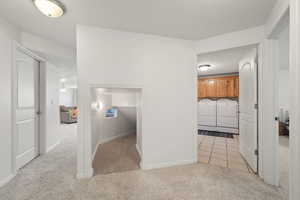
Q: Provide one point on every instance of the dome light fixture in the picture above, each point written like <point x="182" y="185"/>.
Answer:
<point x="204" y="67"/>
<point x="50" y="8"/>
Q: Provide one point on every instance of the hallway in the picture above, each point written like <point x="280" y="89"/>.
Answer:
<point x="52" y="177"/>
<point x="118" y="155"/>
<point x="48" y="174"/>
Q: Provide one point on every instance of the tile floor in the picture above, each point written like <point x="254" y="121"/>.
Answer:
<point x="223" y="152"/>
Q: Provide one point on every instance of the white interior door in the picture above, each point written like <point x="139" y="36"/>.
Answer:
<point x="26" y="109"/>
<point x="248" y="110"/>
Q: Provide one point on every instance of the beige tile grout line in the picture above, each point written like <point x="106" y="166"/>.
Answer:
<point x="227" y="160"/>
<point x="211" y="149"/>
<point x="227" y="165"/>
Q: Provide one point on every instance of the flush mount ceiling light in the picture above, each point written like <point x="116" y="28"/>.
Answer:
<point x="204" y="68"/>
<point x="50" y="8"/>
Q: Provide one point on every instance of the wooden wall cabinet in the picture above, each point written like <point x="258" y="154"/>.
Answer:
<point x="202" y="89"/>
<point x="220" y="87"/>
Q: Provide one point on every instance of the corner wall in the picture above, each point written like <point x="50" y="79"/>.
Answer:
<point x="165" y="69"/>
<point x="7" y="35"/>
<point x="283" y="60"/>
<point x="53" y="132"/>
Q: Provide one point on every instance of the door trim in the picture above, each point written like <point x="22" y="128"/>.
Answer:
<point x="40" y="132"/>
<point x="84" y="150"/>
<point x="294" y="166"/>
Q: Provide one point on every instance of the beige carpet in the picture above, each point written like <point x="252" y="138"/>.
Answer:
<point x="52" y="177"/>
<point x="118" y="155"/>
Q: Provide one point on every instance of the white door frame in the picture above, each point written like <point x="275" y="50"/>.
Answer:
<point x="294" y="170"/>
<point x="267" y="138"/>
<point x="41" y="132"/>
<point x="84" y="152"/>
<point x="294" y="147"/>
<point x="259" y="123"/>
<point x="267" y="156"/>
<point x="271" y="96"/>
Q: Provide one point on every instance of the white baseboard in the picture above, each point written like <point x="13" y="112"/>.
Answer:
<point x="166" y="164"/>
<point x="138" y="150"/>
<point x="140" y="154"/>
<point x="85" y="175"/>
<point x="52" y="147"/>
<point x="6" y="180"/>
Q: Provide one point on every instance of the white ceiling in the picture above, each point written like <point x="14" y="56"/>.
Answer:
<point x="223" y="62"/>
<point x="188" y="19"/>
<point x="65" y="66"/>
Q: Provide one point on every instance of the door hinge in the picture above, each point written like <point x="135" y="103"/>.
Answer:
<point x="256" y="152"/>
<point x="256" y="106"/>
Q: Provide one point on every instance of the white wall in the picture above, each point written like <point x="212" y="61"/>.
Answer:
<point x="123" y="99"/>
<point x="166" y="70"/>
<point x="51" y="112"/>
<point x="7" y="34"/>
<point x="283" y="47"/>
<point x="63" y="58"/>
<point x="43" y="45"/>
<point x="283" y="59"/>
<point x="284" y="89"/>
<point x="231" y="40"/>
<point x="68" y="97"/>
<point x="97" y="116"/>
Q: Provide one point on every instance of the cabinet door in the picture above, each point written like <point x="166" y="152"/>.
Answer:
<point x="221" y="87"/>
<point x="237" y="86"/>
<point x="211" y="87"/>
<point x="227" y="87"/>
<point x="202" y="89"/>
<point x="231" y="87"/>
